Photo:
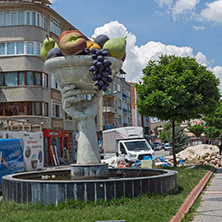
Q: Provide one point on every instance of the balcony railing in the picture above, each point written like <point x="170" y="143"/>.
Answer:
<point x="108" y="109"/>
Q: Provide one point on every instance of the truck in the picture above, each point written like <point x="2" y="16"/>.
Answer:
<point x="126" y="142"/>
<point x="11" y="157"/>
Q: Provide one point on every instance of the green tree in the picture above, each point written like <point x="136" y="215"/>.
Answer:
<point x="214" y="123"/>
<point x="177" y="89"/>
<point x="197" y="130"/>
<point x="215" y="118"/>
<point x="212" y="132"/>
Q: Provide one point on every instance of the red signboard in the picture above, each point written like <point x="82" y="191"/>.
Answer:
<point x="55" y="133"/>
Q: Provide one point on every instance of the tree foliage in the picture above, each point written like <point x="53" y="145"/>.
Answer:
<point x="212" y="132"/>
<point x="215" y="118"/>
<point x="197" y="130"/>
<point x="177" y="89"/>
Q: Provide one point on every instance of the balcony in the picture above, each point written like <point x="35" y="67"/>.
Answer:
<point x="108" y="109"/>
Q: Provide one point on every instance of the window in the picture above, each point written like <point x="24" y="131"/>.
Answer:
<point x="45" y="109"/>
<point x="33" y="18"/>
<point x="2" y="82"/>
<point x="21" y="18"/>
<point x="45" y="80"/>
<point x="54" y="84"/>
<point x="11" y="48"/>
<point x="23" y="108"/>
<point x="55" y="27"/>
<point x="11" y="109"/>
<point x="6" y="18"/>
<point x="30" y="48"/>
<point x="1" y="19"/>
<point x="38" y="78"/>
<point x="28" y="18"/>
<point x="23" y="78"/>
<point x="1" y="110"/>
<point x="30" y="78"/>
<point x="38" y="108"/>
<point x="30" y="108"/>
<point x="11" y="79"/>
<point x="56" y="108"/>
<point x="38" y="48"/>
<point x="19" y="47"/>
<point x="13" y="18"/>
<point x="2" y="48"/>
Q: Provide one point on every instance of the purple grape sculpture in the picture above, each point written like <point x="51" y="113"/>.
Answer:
<point x="100" y="68"/>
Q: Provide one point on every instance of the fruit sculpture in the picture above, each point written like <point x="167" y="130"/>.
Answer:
<point x="72" y="42"/>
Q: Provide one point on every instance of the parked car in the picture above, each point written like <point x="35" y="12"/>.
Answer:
<point x="156" y="145"/>
<point x="167" y="146"/>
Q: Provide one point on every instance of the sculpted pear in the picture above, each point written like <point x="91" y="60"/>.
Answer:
<point x="48" y="44"/>
<point x="116" y="47"/>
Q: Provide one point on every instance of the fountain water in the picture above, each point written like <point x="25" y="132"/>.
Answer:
<point x="90" y="179"/>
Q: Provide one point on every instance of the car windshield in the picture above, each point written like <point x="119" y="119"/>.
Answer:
<point x="137" y="145"/>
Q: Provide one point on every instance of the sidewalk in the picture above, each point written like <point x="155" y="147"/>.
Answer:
<point x="211" y="205"/>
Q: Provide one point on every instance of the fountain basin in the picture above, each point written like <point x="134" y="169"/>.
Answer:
<point x="30" y="187"/>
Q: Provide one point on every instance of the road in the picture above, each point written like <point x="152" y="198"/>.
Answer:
<point x="161" y="153"/>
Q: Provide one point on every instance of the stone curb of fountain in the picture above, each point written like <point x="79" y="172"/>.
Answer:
<point x="192" y="196"/>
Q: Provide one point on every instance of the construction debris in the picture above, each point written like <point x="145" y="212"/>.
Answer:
<point x="202" y="154"/>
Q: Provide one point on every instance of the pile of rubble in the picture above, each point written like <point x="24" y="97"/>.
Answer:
<point x="194" y="155"/>
<point x="201" y="154"/>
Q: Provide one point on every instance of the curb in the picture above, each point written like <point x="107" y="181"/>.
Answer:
<point x="192" y="196"/>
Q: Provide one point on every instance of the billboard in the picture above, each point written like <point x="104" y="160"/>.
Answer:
<point x="11" y="157"/>
<point x="32" y="144"/>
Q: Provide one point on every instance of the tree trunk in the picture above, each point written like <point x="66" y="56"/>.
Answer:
<point x="173" y="140"/>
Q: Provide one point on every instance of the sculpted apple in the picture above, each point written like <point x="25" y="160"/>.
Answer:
<point x="72" y="42"/>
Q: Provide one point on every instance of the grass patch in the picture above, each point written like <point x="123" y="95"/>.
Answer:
<point x="158" y="208"/>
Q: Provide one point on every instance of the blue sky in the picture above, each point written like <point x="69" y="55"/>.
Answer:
<point x="154" y="27"/>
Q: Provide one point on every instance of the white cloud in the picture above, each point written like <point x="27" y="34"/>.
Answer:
<point x="184" y="7"/>
<point x="179" y="8"/>
<point x="138" y="57"/>
<point x="198" y="28"/>
<point x="202" y="59"/>
<point x="164" y="2"/>
<point x="213" y="12"/>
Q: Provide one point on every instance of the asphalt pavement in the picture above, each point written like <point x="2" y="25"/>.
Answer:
<point x="210" y="209"/>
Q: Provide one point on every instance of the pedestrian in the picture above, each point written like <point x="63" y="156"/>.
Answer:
<point x="220" y="148"/>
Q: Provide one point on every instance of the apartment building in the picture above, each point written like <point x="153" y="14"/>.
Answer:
<point x="117" y="110"/>
<point x="28" y="92"/>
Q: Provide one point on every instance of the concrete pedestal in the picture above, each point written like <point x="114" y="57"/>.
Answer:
<point x="87" y="171"/>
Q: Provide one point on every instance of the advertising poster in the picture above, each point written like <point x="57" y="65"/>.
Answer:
<point x="32" y="144"/>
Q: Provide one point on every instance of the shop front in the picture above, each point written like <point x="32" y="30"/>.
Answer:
<point x="56" y="139"/>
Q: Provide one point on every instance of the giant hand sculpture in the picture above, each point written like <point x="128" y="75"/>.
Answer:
<point x="84" y="113"/>
<point x="75" y="81"/>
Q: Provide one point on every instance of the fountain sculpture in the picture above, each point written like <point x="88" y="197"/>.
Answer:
<point x="89" y="179"/>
